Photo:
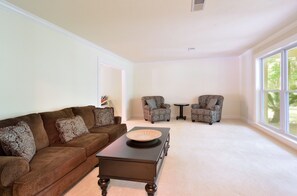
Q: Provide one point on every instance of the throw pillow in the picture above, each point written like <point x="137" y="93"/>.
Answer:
<point x="212" y="102"/>
<point x="151" y="103"/>
<point x="18" y="141"/>
<point x="70" y="128"/>
<point x="104" y="116"/>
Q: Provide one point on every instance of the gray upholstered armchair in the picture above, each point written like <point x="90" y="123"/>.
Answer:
<point x="154" y="109"/>
<point x="209" y="109"/>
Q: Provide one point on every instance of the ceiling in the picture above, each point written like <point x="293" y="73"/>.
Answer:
<point x="154" y="30"/>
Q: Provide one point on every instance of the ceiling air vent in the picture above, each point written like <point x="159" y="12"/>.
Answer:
<point x="197" y="5"/>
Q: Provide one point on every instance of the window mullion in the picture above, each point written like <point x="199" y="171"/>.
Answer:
<point x="283" y="93"/>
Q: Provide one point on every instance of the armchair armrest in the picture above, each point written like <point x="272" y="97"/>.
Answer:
<point x="12" y="168"/>
<point x="195" y="106"/>
<point x="117" y="120"/>
<point x="217" y="108"/>
<point x="165" y="105"/>
<point x="147" y="107"/>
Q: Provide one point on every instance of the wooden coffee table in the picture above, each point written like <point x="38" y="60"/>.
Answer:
<point x="138" y="163"/>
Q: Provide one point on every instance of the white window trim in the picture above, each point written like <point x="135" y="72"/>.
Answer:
<point x="284" y="93"/>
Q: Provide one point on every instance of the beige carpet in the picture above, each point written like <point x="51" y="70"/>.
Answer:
<point x="227" y="158"/>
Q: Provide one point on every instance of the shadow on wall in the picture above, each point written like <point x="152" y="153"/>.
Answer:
<point x="136" y="107"/>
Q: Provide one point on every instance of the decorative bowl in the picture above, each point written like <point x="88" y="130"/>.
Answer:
<point x="143" y="135"/>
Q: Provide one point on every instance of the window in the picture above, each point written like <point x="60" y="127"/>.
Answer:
<point x="279" y="91"/>
<point x="292" y="90"/>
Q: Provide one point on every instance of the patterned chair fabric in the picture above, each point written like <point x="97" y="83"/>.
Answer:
<point x="161" y="113"/>
<point x="200" y="112"/>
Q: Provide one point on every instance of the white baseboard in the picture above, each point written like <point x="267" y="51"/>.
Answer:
<point x="278" y="136"/>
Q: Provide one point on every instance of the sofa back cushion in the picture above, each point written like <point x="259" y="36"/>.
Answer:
<point x="36" y="125"/>
<point x="49" y="121"/>
<point x="86" y="112"/>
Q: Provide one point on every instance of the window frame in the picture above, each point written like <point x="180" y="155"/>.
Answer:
<point x="283" y="91"/>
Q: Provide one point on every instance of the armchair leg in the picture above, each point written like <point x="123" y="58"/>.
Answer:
<point x="210" y="123"/>
<point x="168" y="120"/>
<point x="219" y="121"/>
<point x="193" y="120"/>
<point x="145" y="119"/>
<point x="152" y="122"/>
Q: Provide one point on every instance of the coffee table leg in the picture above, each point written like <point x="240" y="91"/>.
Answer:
<point x="167" y="146"/>
<point x="103" y="183"/>
<point x="151" y="188"/>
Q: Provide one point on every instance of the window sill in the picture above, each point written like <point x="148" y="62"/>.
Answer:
<point x="278" y="136"/>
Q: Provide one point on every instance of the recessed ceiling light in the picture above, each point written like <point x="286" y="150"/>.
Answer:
<point x="191" y="49"/>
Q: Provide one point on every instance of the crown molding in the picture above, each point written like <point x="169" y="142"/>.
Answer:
<point x="59" y="29"/>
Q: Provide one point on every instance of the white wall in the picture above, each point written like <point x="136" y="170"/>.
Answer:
<point x="111" y="85"/>
<point x="183" y="81"/>
<point x="43" y="67"/>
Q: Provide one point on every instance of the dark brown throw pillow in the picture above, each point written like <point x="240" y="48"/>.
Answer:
<point x="70" y="128"/>
<point x="104" y="116"/>
<point x="18" y="141"/>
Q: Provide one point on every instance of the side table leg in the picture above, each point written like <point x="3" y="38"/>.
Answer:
<point x="151" y="188"/>
<point x="103" y="183"/>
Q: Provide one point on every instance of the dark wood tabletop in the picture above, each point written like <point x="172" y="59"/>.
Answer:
<point x="120" y="150"/>
<point x="122" y="161"/>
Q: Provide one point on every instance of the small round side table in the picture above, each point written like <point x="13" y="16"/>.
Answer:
<point x="181" y="110"/>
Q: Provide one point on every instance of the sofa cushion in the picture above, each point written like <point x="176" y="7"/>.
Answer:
<point x="47" y="166"/>
<point x="91" y="142"/>
<point x="70" y="128"/>
<point x="49" y="121"/>
<point x="104" y="116"/>
<point x="113" y="131"/>
<point x="18" y="140"/>
<point x="86" y="112"/>
<point x="36" y="125"/>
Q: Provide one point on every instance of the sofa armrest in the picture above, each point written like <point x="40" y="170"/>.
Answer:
<point x="147" y="107"/>
<point x="117" y="120"/>
<point x="195" y="106"/>
<point x="12" y="168"/>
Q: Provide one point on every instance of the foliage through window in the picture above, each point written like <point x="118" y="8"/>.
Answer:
<point x="279" y="91"/>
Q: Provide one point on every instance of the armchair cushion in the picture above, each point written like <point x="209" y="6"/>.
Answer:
<point x="212" y="102"/>
<point x="151" y="103"/>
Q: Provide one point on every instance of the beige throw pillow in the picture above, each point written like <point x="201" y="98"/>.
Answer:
<point x="18" y="141"/>
<point x="70" y="128"/>
<point x="104" y="116"/>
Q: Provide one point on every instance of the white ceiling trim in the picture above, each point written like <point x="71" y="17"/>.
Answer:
<point x="59" y="29"/>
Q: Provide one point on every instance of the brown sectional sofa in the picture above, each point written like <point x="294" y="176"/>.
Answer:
<point x="55" y="166"/>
